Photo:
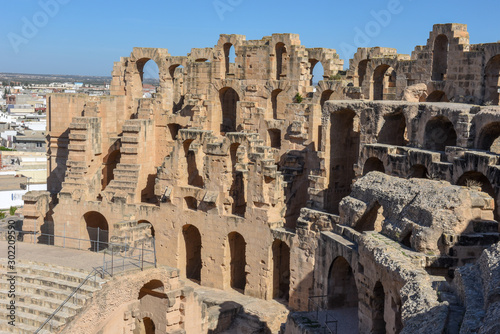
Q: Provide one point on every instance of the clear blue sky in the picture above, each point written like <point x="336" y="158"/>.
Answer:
<point x="86" y="37"/>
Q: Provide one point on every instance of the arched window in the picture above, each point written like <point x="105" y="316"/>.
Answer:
<point x="192" y="243"/>
<point x="281" y="269"/>
<point x="229" y="102"/>
<point x="280" y="60"/>
<point x="237" y="250"/>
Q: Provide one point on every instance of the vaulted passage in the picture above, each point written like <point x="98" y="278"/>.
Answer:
<point x="372" y="219"/>
<point x="440" y="58"/>
<point x="478" y="179"/>
<point x="489" y="139"/>
<point x="491" y="81"/>
<point x="393" y="131"/>
<point x="237" y="250"/>
<point x="97" y="229"/>
<point x="281" y="269"/>
<point x="418" y="171"/>
<point x="192" y="243"/>
<point x="325" y="96"/>
<point x="342" y="291"/>
<point x="439" y="133"/>
<point x="378" y="309"/>
<point x="228" y="101"/>
<point x="344" y="151"/>
<point x="193" y="174"/>
<point x="373" y="164"/>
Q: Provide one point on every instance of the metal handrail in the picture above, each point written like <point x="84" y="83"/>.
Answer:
<point x="328" y="321"/>
<point x="94" y="272"/>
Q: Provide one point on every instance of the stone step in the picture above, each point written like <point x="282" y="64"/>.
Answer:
<point x="35" y="320"/>
<point x="65" y="274"/>
<point x="134" y="167"/>
<point x="478" y="239"/>
<point x="23" y="288"/>
<point x="48" y="282"/>
<point x="485" y="226"/>
<point x="119" y="184"/>
<point x="39" y="310"/>
<point x="22" y="328"/>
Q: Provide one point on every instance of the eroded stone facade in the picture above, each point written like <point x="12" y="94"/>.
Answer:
<point x="244" y="171"/>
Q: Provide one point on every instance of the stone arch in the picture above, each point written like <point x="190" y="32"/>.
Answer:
<point x="439" y="133"/>
<point x="147" y="326"/>
<point x="97" y="230"/>
<point x="325" y="96"/>
<point x="342" y="290"/>
<point x="437" y="96"/>
<point x="281" y="53"/>
<point x="372" y="219"/>
<point x="440" y="58"/>
<point x="362" y="66"/>
<point x="237" y="190"/>
<point x="149" y="225"/>
<point x="377" y="305"/>
<point x="373" y="164"/>
<point x="146" y="68"/>
<point x="229" y="101"/>
<point x="237" y="261"/>
<point x="154" y="288"/>
<point x="393" y="130"/>
<point x="313" y="69"/>
<point x="173" y="129"/>
<point x="110" y="162"/>
<point x="190" y="255"/>
<point x="489" y="138"/>
<point x="418" y="171"/>
<point x="229" y="53"/>
<point x="278" y="103"/>
<point x="383" y="80"/>
<point x="177" y="72"/>
<point x="491" y="80"/>
<point x="193" y="175"/>
<point x="344" y="150"/>
<point x="281" y="269"/>
<point x="478" y="179"/>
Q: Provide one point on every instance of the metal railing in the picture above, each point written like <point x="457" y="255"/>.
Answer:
<point x="322" y="315"/>
<point x="73" y="294"/>
<point x="122" y="257"/>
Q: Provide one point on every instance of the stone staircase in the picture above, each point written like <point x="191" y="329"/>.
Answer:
<point x="39" y="290"/>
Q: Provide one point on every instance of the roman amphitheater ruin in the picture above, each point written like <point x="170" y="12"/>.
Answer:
<point x="371" y="197"/>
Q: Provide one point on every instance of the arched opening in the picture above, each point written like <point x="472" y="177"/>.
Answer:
<point x="344" y="151"/>
<point x="342" y="291"/>
<point x="406" y="241"/>
<point x="373" y="164"/>
<point x="489" y="139"/>
<point x="280" y="60"/>
<point x="439" y="133"/>
<point x="440" y="58"/>
<point x="437" y="96"/>
<point x="372" y="219"/>
<point x="325" y="96"/>
<point x="237" y="249"/>
<point x="274" y="138"/>
<point x="147" y="228"/>
<point x="229" y="102"/>
<point x="177" y="75"/>
<point x="478" y="179"/>
<point x="378" y="309"/>
<point x="418" y="172"/>
<point x="193" y="175"/>
<point x="393" y="131"/>
<point x="174" y="130"/>
<point x="192" y="242"/>
<point x="146" y="326"/>
<point x="317" y="71"/>
<point x="281" y="269"/>
<point x="237" y="190"/>
<point x="229" y="57"/>
<point x="382" y="81"/>
<point x="277" y="103"/>
<point x="362" y="71"/>
<point x="191" y="203"/>
<point x="109" y="162"/>
<point x="97" y="229"/>
<point x="150" y="76"/>
<point x="491" y="81"/>
<point x="153" y="288"/>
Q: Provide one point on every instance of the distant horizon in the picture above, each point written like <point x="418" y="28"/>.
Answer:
<point x="86" y="38"/>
